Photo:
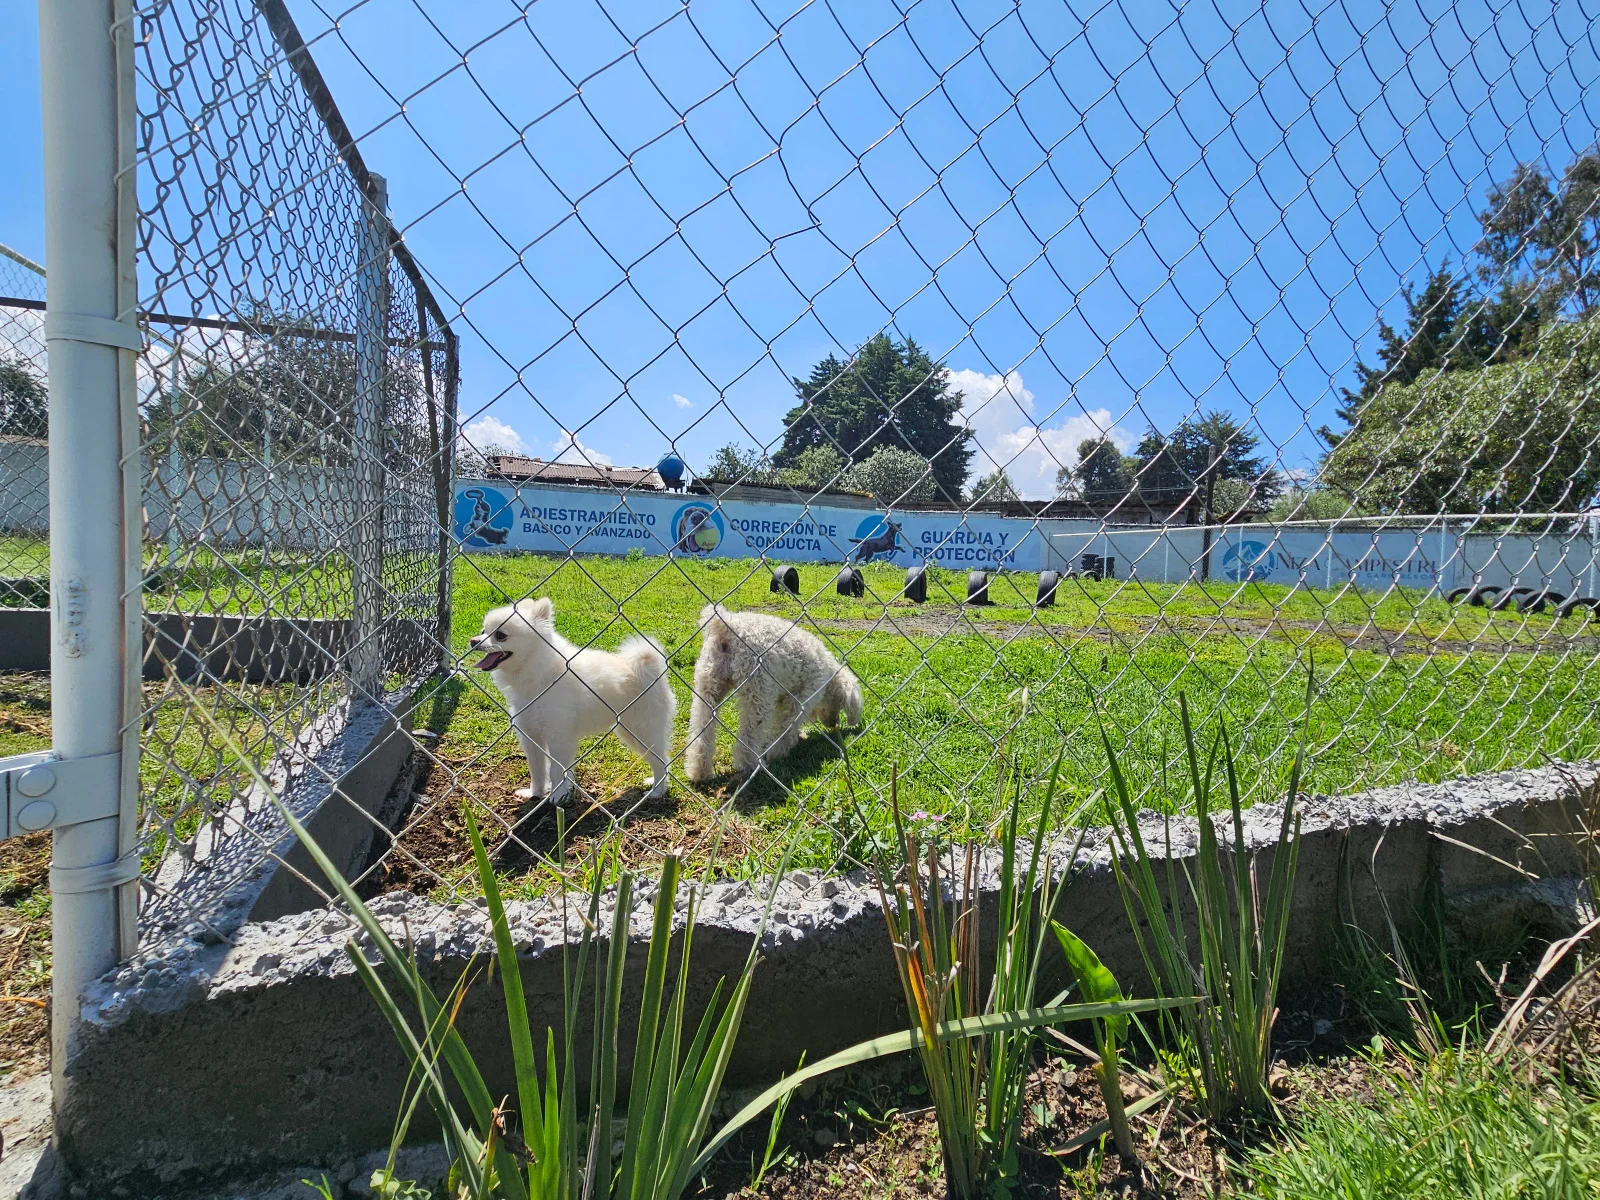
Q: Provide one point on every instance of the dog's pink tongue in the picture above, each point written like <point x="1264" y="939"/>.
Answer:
<point x="492" y="659"/>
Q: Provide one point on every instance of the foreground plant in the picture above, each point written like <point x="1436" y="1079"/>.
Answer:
<point x="1225" y="1039"/>
<point x="976" y="1084"/>
<point x="1097" y="983"/>
<point x="552" y="1147"/>
<point x="555" y="1144"/>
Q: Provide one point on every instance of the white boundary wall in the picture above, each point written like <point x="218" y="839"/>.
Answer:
<point x="1436" y="557"/>
<point x="223" y="503"/>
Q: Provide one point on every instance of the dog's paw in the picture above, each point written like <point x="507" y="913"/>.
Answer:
<point x="562" y="796"/>
<point x="655" y="788"/>
<point x="524" y="793"/>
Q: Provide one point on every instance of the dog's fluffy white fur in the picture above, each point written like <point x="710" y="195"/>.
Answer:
<point x="560" y="694"/>
<point x="783" y="677"/>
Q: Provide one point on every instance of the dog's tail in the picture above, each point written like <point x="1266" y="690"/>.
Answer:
<point x="645" y="655"/>
<point x="712" y="614"/>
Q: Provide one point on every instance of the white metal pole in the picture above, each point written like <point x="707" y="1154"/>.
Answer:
<point x="175" y="475"/>
<point x="372" y="327"/>
<point x="86" y="72"/>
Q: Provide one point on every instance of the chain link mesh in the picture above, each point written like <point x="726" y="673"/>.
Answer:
<point x="297" y="408"/>
<point x="1268" y="331"/>
<point x="24" y="466"/>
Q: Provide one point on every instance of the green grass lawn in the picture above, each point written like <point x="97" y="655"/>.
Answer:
<point x="1407" y="687"/>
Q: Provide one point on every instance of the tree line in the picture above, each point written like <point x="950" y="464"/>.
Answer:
<point x="1483" y="401"/>
<point x="888" y="422"/>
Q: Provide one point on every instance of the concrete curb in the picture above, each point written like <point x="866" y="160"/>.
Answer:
<point x="266" y="1052"/>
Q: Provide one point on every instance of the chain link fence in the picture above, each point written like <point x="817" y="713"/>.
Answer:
<point x="24" y="474"/>
<point x="1227" y="348"/>
<point x="297" y="407"/>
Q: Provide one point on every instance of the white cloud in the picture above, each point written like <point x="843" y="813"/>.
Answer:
<point x="570" y="450"/>
<point x="488" y="432"/>
<point x="1001" y="412"/>
<point x="682" y="401"/>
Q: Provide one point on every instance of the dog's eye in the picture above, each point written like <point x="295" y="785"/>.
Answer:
<point x="499" y="635"/>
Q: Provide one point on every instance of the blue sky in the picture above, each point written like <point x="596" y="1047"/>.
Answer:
<point x="644" y="218"/>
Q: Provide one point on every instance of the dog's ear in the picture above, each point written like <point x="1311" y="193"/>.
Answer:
<point x="542" y="609"/>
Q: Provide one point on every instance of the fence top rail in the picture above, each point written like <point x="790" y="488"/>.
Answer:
<point x="21" y="259"/>
<point x="298" y="55"/>
<point x="255" y="328"/>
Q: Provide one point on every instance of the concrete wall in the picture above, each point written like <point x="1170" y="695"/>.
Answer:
<point x="228" y="503"/>
<point x="253" y="1044"/>
<point x="24" y="486"/>
<point x="1435" y="558"/>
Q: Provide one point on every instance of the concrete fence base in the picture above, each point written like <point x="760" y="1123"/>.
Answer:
<point x="261" y="1050"/>
<point x="197" y="647"/>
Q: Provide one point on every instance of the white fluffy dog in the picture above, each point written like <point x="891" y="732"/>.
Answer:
<point x="784" y="677"/>
<point x="560" y="694"/>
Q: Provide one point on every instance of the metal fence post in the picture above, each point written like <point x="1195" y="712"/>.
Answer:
<point x="372" y="328"/>
<point x="86" y="68"/>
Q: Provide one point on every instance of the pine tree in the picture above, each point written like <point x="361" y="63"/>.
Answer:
<point x="891" y="394"/>
<point x="1175" y="469"/>
<point x="1102" y="475"/>
<point x="1431" y="342"/>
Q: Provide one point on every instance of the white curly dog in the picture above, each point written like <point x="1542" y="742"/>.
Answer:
<point x="560" y="694"/>
<point x="783" y="676"/>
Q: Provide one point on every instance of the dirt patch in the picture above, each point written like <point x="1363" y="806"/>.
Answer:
<point x="25" y="955"/>
<point x="872" y="1133"/>
<point x="432" y="852"/>
<point x="24" y="896"/>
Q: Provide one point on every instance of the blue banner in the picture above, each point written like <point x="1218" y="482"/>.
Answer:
<point x="554" y="520"/>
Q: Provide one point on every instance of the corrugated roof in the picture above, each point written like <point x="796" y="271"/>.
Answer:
<point x="515" y="466"/>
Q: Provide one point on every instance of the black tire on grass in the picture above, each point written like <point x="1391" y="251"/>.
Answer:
<point x="1572" y="604"/>
<point x="785" y="579"/>
<point x="978" y="588"/>
<point x="1508" y="598"/>
<point x="1538" y="601"/>
<point x="851" y="583"/>
<point x="917" y="585"/>
<point x="1045" y="597"/>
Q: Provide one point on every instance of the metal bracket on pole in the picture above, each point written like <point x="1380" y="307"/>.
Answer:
<point x="96" y="331"/>
<point x="44" y="791"/>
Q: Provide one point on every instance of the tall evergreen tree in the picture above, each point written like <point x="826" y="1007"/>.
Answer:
<point x="1430" y="341"/>
<point x="1544" y="233"/>
<point x="1102" y="474"/>
<point x="1175" y="469"/>
<point x="891" y="394"/>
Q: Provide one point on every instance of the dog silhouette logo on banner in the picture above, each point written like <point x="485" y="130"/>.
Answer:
<point x="483" y="518"/>
<point x="874" y="537"/>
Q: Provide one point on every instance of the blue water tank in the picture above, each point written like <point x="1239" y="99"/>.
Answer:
<point x="670" y="468"/>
